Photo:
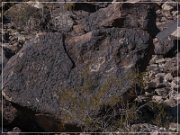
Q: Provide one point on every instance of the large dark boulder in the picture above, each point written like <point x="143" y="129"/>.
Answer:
<point x="123" y="15"/>
<point x="72" y="79"/>
<point x="33" y="72"/>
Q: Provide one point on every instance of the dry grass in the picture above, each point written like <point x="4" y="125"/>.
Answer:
<point x="84" y="98"/>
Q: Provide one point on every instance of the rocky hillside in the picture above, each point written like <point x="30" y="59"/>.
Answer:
<point x="90" y="66"/>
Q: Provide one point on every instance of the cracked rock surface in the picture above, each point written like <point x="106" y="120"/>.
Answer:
<point x="93" y="67"/>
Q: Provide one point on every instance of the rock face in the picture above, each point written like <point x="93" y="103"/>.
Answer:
<point x="61" y="21"/>
<point x="89" y="67"/>
<point x="58" y="84"/>
<point x="169" y="47"/>
<point x="3" y="60"/>
<point x="46" y="58"/>
<point x="123" y="15"/>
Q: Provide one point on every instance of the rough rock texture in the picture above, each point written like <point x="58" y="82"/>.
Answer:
<point x="61" y="21"/>
<point x="25" y="17"/>
<point x="167" y="48"/>
<point x="123" y="15"/>
<point x="3" y="60"/>
<point x="9" y="112"/>
<point x="89" y="67"/>
<point x="46" y="59"/>
<point x="164" y="74"/>
<point x="53" y="77"/>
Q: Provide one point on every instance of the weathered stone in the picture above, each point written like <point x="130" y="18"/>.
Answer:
<point x="160" y="60"/>
<point x="21" y="39"/>
<point x="142" y="99"/>
<point x="171" y="66"/>
<point x="9" y="112"/>
<point x="167" y="15"/>
<point x="167" y="6"/>
<point x="42" y="67"/>
<point x="3" y="59"/>
<point x="174" y="127"/>
<point x="170" y="102"/>
<point x="166" y="47"/>
<point x="157" y="99"/>
<point x="162" y="92"/>
<point x="176" y="33"/>
<point x="175" y="85"/>
<point x="81" y="81"/>
<point x="154" y="68"/>
<point x="123" y="15"/>
<point x="144" y="127"/>
<point x="69" y="80"/>
<point x="154" y="59"/>
<point x="35" y="4"/>
<point x="157" y="82"/>
<point x="61" y="20"/>
<point x="162" y="85"/>
<point x="168" y="77"/>
<point x="151" y="75"/>
<point x="151" y="85"/>
<point x="160" y="75"/>
<point x="111" y="16"/>
<point x="148" y="94"/>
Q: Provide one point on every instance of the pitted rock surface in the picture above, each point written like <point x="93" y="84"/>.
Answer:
<point x="47" y="64"/>
<point x="46" y="76"/>
<point x="74" y="66"/>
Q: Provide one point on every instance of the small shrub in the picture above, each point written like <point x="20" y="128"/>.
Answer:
<point x="129" y="115"/>
<point x="87" y="98"/>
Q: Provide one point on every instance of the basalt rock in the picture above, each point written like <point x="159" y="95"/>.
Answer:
<point x="89" y="76"/>
<point x="168" y="47"/>
<point x="3" y="59"/>
<point x="123" y="15"/>
<point x="39" y="58"/>
<point x="72" y="78"/>
<point x="9" y="112"/>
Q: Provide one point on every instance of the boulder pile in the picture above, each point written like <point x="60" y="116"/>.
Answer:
<point x="89" y="67"/>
